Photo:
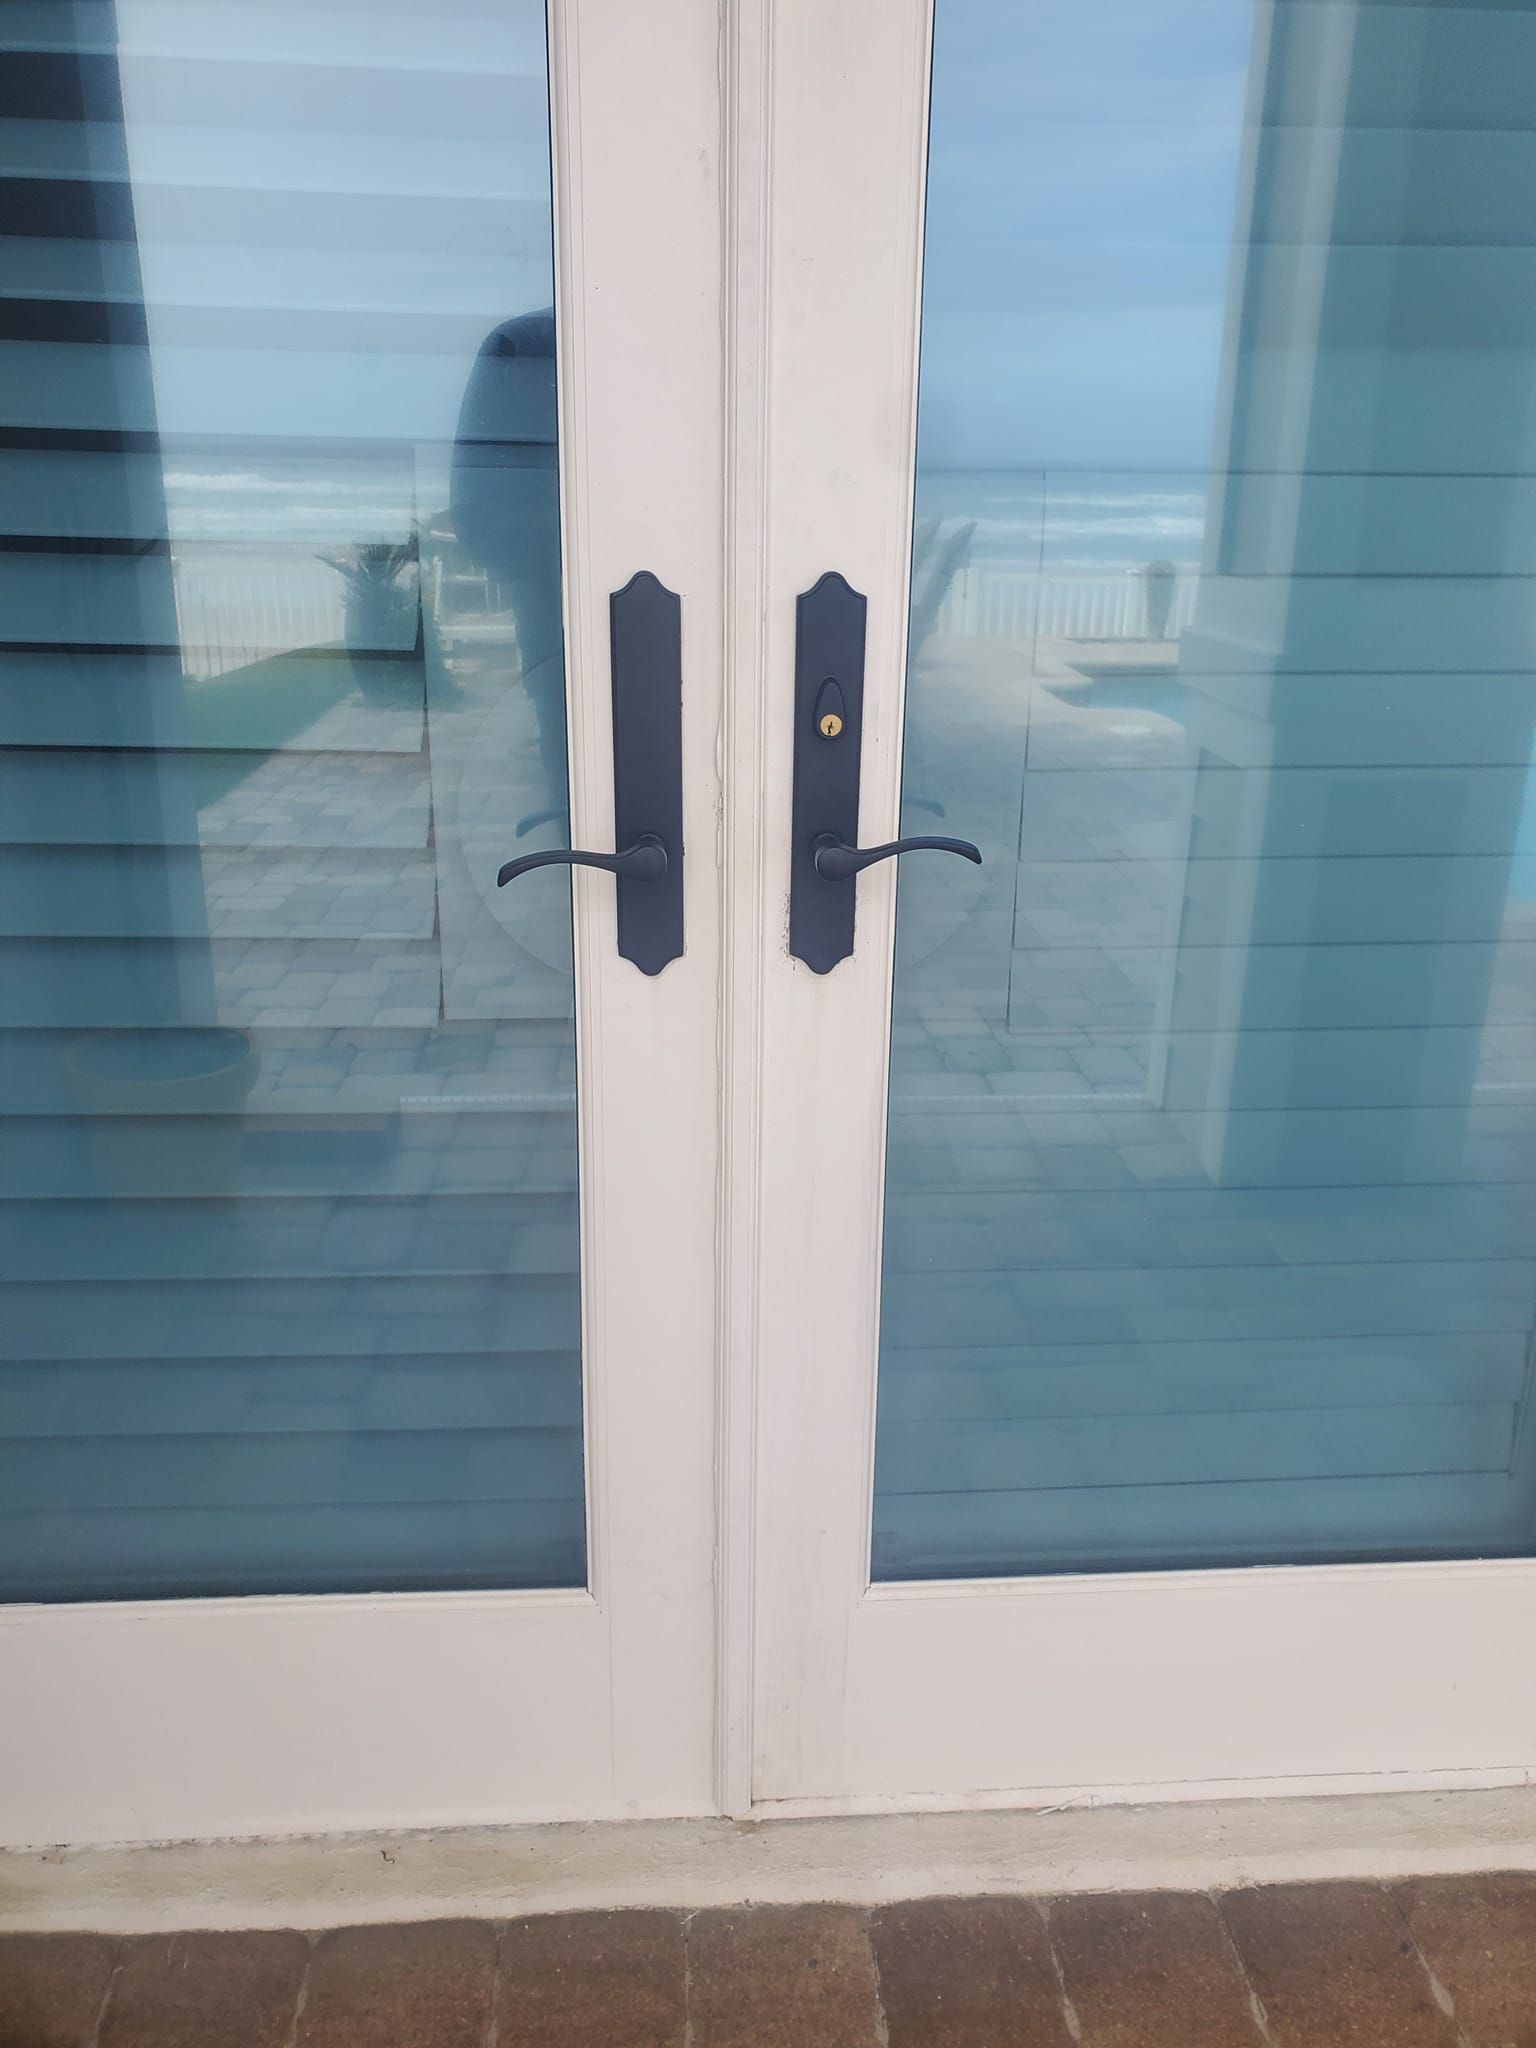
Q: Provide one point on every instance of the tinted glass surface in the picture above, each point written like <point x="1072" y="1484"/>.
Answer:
<point x="1211" y="1202"/>
<point x="289" y="1293"/>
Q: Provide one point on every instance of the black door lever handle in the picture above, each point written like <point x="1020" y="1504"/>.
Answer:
<point x="824" y="861"/>
<point x="645" y="861"/>
<point x="645" y="639"/>
<point x="836" y="861"/>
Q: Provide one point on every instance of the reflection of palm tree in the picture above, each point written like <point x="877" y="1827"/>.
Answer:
<point x="382" y="605"/>
<point x="381" y="617"/>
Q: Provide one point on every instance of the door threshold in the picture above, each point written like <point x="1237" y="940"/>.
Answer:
<point x="319" y="1881"/>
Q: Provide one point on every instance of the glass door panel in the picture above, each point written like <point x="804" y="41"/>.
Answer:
<point x="1211" y="1170"/>
<point x="290" y="1242"/>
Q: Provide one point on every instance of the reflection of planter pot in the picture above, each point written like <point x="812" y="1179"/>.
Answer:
<point x="192" y="1083"/>
<point x="390" y="682"/>
<point x="383" y="630"/>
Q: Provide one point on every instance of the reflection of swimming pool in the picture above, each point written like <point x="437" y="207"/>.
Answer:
<point x="1132" y="690"/>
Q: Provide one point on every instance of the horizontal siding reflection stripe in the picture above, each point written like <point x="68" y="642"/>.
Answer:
<point x="407" y="1546"/>
<point x="356" y="1465"/>
<point x="211" y="1396"/>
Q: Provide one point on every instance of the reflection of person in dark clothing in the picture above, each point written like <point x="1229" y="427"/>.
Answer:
<point x="505" y="504"/>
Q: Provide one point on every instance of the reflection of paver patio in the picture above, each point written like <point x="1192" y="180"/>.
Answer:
<point x="1102" y="1337"/>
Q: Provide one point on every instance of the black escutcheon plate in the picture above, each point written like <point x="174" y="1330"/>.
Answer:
<point x="829" y="649"/>
<point x="645" y="626"/>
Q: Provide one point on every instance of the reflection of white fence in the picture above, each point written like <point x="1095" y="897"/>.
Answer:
<point x="227" y="617"/>
<point x="230" y="613"/>
<point x="1017" y="604"/>
<point x="232" y="610"/>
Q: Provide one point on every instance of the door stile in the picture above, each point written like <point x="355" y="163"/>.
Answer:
<point x="850" y="118"/>
<point x="749" y="928"/>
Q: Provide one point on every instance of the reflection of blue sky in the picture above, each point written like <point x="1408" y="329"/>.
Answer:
<point x="339" y="163"/>
<point x="1081" y="187"/>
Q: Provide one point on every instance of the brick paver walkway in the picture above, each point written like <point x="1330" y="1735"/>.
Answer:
<point x="1430" y="1963"/>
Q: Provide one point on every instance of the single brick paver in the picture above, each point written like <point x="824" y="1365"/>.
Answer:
<point x="189" y="1990"/>
<point x="1335" y="1967"/>
<point x="580" y="1979"/>
<point x="1478" y="1935"/>
<point x="52" y="1987"/>
<point x="781" y="1977"/>
<point x="423" y="1986"/>
<point x="1145" y="1967"/>
<point x="968" y="1973"/>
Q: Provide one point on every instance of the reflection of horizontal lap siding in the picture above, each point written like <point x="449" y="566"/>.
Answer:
<point x="394" y="100"/>
<point x="1394" y="810"/>
<point x="251" y="1237"/>
<point x="408" y="330"/>
<point x="1282" y="1298"/>
<point x="292" y="497"/>
<point x="345" y="1142"/>
<point x="200" y="1396"/>
<point x="1312" y="1067"/>
<point x="119" y="982"/>
<point x="351" y="1464"/>
<point x="77" y="1553"/>
<point x="1220" y="1375"/>
<point x="295" y="1307"/>
<point x="122" y="697"/>
<point x="171" y="798"/>
<point x="1002" y="1229"/>
<point x="1137" y="1528"/>
<point x="360" y="1314"/>
<point x="297" y="893"/>
<point x="1188" y="1448"/>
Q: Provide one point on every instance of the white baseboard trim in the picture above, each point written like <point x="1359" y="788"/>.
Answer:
<point x="334" y="1880"/>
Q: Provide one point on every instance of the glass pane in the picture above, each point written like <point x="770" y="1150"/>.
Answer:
<point x="1211" y="1201"/>
<point x="289" y="1292"/>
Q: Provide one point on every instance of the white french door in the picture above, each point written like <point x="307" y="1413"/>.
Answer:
<point x="984" y="1334"/>
<point x="358" y="1232"/>
<point x="1145" y="1282"/>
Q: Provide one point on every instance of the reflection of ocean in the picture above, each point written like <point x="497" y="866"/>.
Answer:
<point x="340" y="500"/>
<point x="249" y="547"/>
<point x="1067" y="521"/>
<point x="1065" y="553"/>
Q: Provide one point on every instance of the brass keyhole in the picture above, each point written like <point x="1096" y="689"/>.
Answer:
<point x="830" y="725"/>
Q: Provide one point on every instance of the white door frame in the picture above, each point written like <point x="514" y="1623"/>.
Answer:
<point x="181" y="1718"/>
<point x="744" y="184"/>
<point x="992" y="1692"/>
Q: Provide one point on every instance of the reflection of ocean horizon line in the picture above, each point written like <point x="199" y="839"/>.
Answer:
<point x="1118" y="495"/>
<point x="1196" y="471"/>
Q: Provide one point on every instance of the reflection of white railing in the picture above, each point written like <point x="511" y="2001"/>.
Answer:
<point x="1017" y="604"/>
<point x="227" y="617"/>
<point x="231" y="613"/>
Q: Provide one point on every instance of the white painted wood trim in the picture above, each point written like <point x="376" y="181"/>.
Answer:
<point x="848" y="155"/>
<point x="498" y="1872"/>
<point x="747" y="934"/>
